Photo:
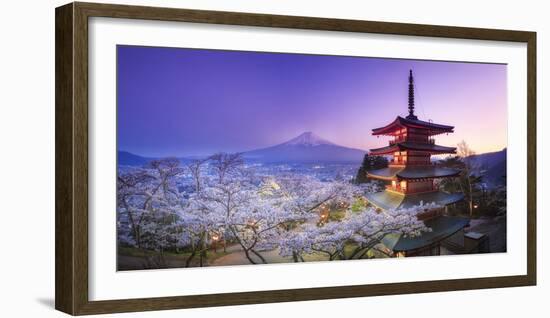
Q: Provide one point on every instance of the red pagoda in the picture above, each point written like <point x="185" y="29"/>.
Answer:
<point x="411" y="175"/>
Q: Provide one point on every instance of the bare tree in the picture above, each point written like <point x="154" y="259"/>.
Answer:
<point x="468" y="174"/>
<point x="225" y="163"/>
<point x="195" y="170"/>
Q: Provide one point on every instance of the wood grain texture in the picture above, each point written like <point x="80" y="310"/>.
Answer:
<point x="80" y="146"/>
<point x="532" y="158"/>
<point x="72" y="157"/>
<point x="64" y="235"/>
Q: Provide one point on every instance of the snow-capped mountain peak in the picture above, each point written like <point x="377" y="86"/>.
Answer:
<point x="308" y="139"/>
<point x="306" y="148"/>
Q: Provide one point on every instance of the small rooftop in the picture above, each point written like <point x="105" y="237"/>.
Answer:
<point x="474" y="235"/>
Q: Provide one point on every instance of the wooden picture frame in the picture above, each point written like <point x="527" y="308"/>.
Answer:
<point x="71" y="90"/>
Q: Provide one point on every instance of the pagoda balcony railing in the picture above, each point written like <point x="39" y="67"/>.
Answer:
<point x="431" y="141"/>
<point x="410" y="163"/>
<point x="404" y="190"/>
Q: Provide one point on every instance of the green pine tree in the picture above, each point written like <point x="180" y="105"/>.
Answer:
<point x="370" y="163"/>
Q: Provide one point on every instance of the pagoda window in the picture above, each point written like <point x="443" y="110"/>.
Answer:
<point x="400" y="137"/>
<point x="399" y="158"/>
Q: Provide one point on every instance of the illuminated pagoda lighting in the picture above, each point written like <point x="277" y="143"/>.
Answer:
<point x="411" y="180"/>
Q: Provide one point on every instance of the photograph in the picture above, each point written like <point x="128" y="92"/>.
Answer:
<point x="229" y="158"/>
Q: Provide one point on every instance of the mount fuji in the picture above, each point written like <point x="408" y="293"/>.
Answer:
<point x="306" y="148"/>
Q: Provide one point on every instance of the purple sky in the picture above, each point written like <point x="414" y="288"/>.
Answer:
<point x="178" y="102"/>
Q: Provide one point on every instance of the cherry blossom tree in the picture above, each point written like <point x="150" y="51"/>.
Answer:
<point x="244" y="212"/>
<point x="145" y="194"/>
<point x="148" y="202"/>
<point x="362" y="231"/>
<point x="226" y="200"/>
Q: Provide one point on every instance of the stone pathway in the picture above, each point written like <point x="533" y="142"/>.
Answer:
<point x="237" y="257"/>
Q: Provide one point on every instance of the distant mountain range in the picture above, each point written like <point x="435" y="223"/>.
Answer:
<point x="126" y="158"/>
<point x="492" y="166"/>
<point x="305" y="148"/>
<point x="310" y="148"/>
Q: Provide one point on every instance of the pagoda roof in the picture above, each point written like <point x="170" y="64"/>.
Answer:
<point x="441" y="227"/>
<point x="412" y="172"/>
<point x="388" y="200"/>
<point x="401" y="146"/>
<point x="401" y="122"/>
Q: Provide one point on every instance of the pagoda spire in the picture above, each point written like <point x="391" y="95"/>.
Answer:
<point x="411" y="96"/>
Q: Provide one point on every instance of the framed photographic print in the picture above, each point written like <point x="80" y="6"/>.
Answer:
<point x="218" y="158"/>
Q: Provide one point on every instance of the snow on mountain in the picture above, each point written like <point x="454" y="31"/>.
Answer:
<point x="308" y="139"/>
<point x="307" y="148"/>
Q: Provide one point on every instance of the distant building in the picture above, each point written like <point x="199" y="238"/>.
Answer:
<point x="410" y="176"/>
